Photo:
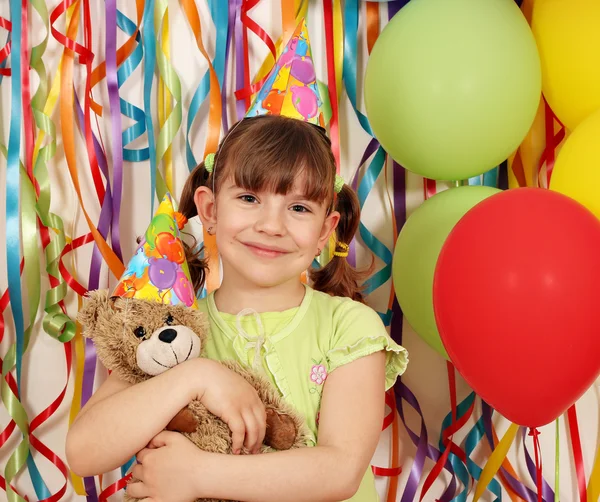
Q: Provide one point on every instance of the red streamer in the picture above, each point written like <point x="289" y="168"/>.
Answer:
<point x="577" y="453"/>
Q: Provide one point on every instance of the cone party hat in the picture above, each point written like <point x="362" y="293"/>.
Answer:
<point x="158" y="270"/>
<point x="291" y="88"/>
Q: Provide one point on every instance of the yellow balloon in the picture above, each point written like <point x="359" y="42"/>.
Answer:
<point x="577" y="169"/>
<point x="567" y="33"/>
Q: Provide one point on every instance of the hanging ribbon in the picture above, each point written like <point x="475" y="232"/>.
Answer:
<point x="495" y="461"/>
<point x="169" y="120"/>
<point x="149" y="44"/>
<point x="211" y="80"/>
<point x="332" y="14"/>
<point x="593" y="489"/>
<point x="577" y="452"/>
<point x="553" y="140"/>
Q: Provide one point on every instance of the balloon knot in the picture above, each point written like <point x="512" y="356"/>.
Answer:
<point x="534" y="432"/>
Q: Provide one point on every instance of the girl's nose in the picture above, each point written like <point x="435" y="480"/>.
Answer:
<point x="271" y="221"/>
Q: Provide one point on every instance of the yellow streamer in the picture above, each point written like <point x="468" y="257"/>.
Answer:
<point x="495" y="461"/>
<point x="593" y="491"/>
<point x="165" y="103"/>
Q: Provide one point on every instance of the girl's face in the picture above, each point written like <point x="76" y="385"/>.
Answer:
<point x="265" y="238"/>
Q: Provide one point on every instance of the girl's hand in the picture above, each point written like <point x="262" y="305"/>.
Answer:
<point x="228" y="396"/>
<point x="167" y="470"/>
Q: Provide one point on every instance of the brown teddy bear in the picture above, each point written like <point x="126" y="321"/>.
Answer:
<point x="139" y="339"/>
<point x="150" y="323"/>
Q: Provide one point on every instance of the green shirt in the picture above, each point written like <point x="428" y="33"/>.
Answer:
<point x="297" y="348"/>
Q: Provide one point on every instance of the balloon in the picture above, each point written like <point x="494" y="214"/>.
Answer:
<point x="183" y="289"/>
<point x="160" y="223"/>
<point x="576" y="172"/>
<point x="417" y="251"/>
<point x="303" y="70"/>
<point x="568" y="40"/>
<point x="515" y="297"/>
<point x="170" y="247"/>
<point x="162" y="273"/>
<point x="452" y="87"/>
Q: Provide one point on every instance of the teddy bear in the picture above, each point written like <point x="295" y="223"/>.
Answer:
<point x="150" y="323"/>
<point x="139" y="339"/>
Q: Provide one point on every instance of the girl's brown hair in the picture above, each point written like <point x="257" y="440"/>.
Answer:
<point x="269" y="153"/>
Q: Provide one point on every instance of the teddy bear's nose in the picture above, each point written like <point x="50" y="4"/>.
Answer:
<point x="168" y="335"/>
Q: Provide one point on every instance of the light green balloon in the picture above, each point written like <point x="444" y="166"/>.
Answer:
<point x="416" y="254"/>
<point x="452" y="86"/>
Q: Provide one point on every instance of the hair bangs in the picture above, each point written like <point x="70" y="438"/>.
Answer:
<point x="281" y="156"/>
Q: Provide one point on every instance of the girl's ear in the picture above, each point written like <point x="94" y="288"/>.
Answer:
<point x="329" y="226"/>
<point x="205" y="204"/>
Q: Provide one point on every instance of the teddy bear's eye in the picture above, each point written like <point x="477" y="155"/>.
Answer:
<point x="170" y="321"/>
<point x="140" y="332"/>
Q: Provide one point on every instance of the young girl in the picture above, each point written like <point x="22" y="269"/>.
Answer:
<point x="270" y="198"/>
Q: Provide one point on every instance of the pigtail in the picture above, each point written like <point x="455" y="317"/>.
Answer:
<point x="198" y="266"/>
<point x="338" y="277"/>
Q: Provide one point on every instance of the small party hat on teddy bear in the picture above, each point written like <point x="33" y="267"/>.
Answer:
<point x="158" y="270"/>
<point x="291" y="88"/>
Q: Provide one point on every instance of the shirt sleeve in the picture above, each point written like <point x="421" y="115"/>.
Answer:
<point x="359" y="332"/>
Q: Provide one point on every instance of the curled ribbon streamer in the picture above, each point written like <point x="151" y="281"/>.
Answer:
<point x="245" y="23"/>
<point x="169" y="87"/>
<point x="577" y="452"/>
<point x="125" y="70"/>
<point x="14" y="356"/>
<point x="115" y="115"/>
<point x="210" y="82"/>
<point x="507" y="473"/>
<point x="149" y="44"/>
<point x="593" y="489"/>
<point x="472" y="439"/>
<point x="123" y="53"/>
<point x="495" y="461"/>
<point x="553" y="141"/>
<point x="333" y="38"/>
<point x="535" y="468"/>
<point x="28" y="218"/>
<point x="66" y="110"/>
<point x="11" y="382"/>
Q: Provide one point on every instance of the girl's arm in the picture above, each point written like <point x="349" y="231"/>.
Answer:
<point x="351" y="415"/>
<point x="120" y="419"/>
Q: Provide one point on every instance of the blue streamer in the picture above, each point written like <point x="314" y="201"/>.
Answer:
<point x="149" y="44"/>
<point x="460" y="469"/>
<point x="128" y="109"/>
<point x="220" y="18"/>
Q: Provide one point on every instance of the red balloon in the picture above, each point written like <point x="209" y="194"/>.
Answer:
<point x="516" y="302"/>
<point x="170" y="247"/>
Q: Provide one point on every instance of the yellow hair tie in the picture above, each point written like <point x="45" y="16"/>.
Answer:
<point x="344" y="253"/>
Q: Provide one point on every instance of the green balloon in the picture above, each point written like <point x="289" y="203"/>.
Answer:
<point x="416" y="254"/>
<point x="162" y="222"/>
<point x="452" y="86"/>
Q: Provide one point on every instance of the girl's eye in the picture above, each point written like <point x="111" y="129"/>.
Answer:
<point x="170" y="321"/>
<point x="140" y="332"/>
<point x="297" y="208"/>
<point x="248" y="198"/>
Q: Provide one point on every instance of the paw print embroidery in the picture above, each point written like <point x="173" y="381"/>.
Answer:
<point x="318" y="374"/>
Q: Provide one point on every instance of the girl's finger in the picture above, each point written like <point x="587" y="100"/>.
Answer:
<point x="252" y="430"/>
<point x="137" y="472"/>
<point x="238" y="432"/>
<point x="137" y="490"/>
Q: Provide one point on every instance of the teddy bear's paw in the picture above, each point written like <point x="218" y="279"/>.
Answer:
<point x="281" y="430"/>
<point x="184" y="421"/>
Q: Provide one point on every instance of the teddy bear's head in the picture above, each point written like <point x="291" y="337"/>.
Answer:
<point x="139" y="338"/>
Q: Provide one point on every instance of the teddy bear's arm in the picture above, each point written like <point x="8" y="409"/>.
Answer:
<point x="184" y="421"/>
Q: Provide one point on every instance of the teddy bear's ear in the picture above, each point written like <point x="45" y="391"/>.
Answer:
<point x="96" y="303"/>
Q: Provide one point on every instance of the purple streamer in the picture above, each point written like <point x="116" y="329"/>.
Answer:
<point x="239" y="58"/>
<point x="520" y="489"/>
<point x="104" y="222"/>
<point x="115" y="116"/>
<point x="547" y="492"/>
<point x="369" y="151"/>
<point x="230" y="36"/>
